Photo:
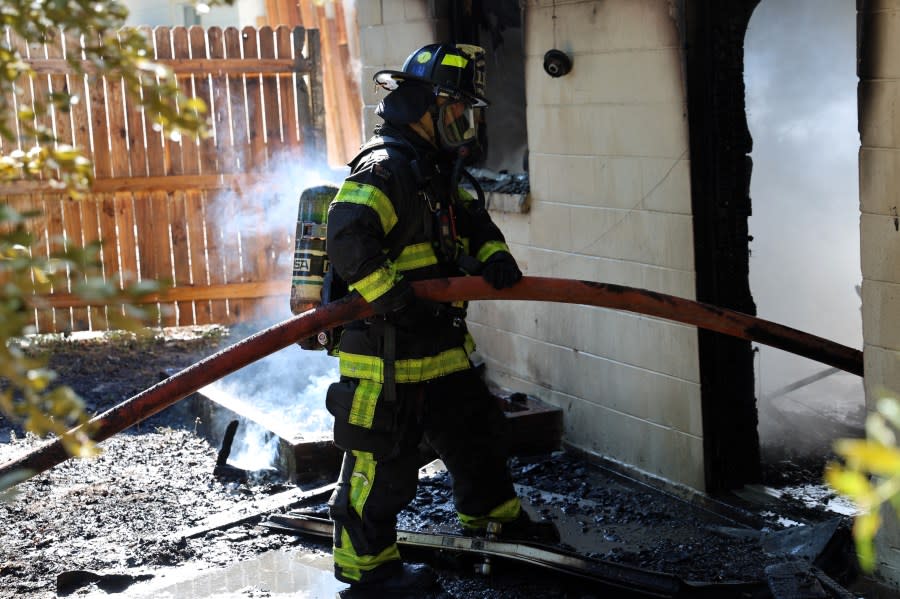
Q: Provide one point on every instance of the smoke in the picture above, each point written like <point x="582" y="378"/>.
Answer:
<point x="800" y="75"/>
<point x="283" y="393"/>
<point x="281" y="396"/>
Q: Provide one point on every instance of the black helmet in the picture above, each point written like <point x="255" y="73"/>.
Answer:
<point x="454" y="71"/>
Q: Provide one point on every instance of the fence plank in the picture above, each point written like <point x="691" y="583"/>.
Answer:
<point x="111" y="239"/>
<point x="215" y="251"/>
<point x="137" y="138"/>
<point x="253" y="91"/>
<point x="218" y="150"/>
<point x="74" y="232"/>
<point x="163" y="250"/>
<point x="120" y="163"/>
<point x="171" y="148"/>
<point x="98" y="118"/>
<point x="180" y="254"/>
<point x="23" y="204"/>
<point x="271" y="113"/>
<point x="190" y="159"/>
<point x="195" y="218"/>
<point x="89" y="209"/>
<point x="238" y="109"/>
<point x="201" y="47"/>
<point x="286" y="90"/>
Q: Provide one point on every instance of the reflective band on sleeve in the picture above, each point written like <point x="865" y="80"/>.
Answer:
<point x="454" y="60"/>
<point x="362" y="410"/>
<point x="415" y="256"/>
<point x="464" y="195"/>
<point x="505" y="512"/>
<point x="378" y="282"/>
<point x="489" y="248"/>
<point x="371" y="196"/>
<point x="413" y="370"/>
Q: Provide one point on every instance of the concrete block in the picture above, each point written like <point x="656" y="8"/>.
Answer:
<point x="586" y="180"/>
<point x="416" y="10"/>
<point x="657" y="184"/>
<point x="392" y="43"/>
<point x="393" y="11"/>
<point x="653" y="344"/>
<point x="641" y="236"/>
<point x="666" y="185"/>
<point x="882" y="368"/>
<point x="657" y="398"/>
<point x="657" y="131"/>
<point x="881" y="305"/>
<point x="879" y="120"/>
<point x="639" y="77"/>
<point x="516" y="228"/>
<point x="879" y="180"/>
<point x="599" y="26"/>
<point x="879" y="27"/>
<point x="368" y="13"/>
<point x="880" y="247"/>
<point x="657" y="450"/>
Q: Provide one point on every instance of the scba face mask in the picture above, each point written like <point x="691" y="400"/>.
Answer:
<point x="456" y="124"/>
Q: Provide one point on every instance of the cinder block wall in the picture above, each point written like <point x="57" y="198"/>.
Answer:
<point x="389" y="31"/>
<point x="610" y="187"/>
<point x="610" y="202"/>
<point x="879" y="187"/>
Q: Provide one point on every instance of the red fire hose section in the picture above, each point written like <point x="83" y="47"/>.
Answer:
<point x="177" y="387"/>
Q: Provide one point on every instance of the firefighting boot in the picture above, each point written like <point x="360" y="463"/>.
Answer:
<point x="406" y="581"/>
<point x="523" y="528"/>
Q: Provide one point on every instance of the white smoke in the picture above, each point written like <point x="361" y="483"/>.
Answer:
<point x="800" y="75"/>
<point x="284" y="393"/>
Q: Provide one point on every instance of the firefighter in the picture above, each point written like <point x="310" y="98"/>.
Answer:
<point x="401" y="216"/>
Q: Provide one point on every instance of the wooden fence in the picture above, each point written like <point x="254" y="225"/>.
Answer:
<point x="164" y="209"/>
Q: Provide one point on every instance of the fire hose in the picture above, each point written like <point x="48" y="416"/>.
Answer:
<point x="353" y="307"/>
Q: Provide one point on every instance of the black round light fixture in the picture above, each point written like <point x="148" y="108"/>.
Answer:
<point x="557" y="63"/>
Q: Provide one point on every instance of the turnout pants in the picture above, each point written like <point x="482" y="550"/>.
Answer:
<point x="458" y="417"/>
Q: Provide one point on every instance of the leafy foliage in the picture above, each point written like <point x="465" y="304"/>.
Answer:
<point x="99" y="45"/>
<point x="869" y="474"/>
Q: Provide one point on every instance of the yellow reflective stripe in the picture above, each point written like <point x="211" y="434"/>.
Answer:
<point x="378" y="282"/>
<point x="489" y="248"/>
<point x="416" y="256"/>
<point x="464" y="195"/>
<point x="412" y="370"/>
<point x="353" y="565"/>
<point x="371" y="196"/>
<point x="362" y="410"/>
<point x="505" y="512"/>
<point x="454" y="60"/>
<point x="361" y="480"/>
<point x="465" y="244"/>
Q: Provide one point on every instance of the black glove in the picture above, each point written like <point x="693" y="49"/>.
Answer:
<point x="501" y="270"/>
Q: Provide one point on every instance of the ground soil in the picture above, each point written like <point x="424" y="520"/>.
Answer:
<point x="114" y="513"/>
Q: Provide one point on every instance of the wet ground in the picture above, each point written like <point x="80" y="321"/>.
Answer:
<point x="92" y="527"/>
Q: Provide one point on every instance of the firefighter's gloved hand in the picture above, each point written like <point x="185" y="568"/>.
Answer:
<point x="501" y="270"/>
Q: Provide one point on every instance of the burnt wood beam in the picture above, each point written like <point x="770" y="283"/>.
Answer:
<point x="720" y="145"/>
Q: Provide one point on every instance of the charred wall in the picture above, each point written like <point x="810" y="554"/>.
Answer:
<point x="720" y="145"/>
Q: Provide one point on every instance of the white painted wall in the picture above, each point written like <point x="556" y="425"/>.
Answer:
<point x="610" y="202"/>
<point x="879" y="187"/>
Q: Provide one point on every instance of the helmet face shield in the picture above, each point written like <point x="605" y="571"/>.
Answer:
<point x="456" y="125"/>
